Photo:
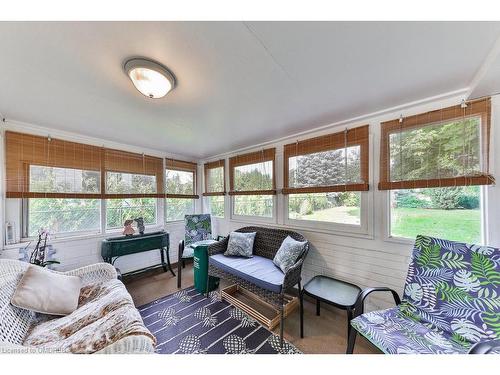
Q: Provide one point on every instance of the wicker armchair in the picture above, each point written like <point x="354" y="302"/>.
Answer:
<point x="15" y="322"/>
<point x="266" y="244"/>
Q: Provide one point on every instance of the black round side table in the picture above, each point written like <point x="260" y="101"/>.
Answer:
<point x="335" y="292"/>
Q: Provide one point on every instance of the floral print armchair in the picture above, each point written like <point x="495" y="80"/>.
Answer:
<point x="451" y="303"/>
<point x="198" y="227"/>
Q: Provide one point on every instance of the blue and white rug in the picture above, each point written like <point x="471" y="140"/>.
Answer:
<point x="187" y="322"/>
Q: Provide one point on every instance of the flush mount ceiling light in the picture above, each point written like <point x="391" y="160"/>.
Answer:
<point x="149" y="77"/>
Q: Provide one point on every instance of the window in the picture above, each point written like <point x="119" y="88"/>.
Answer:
<point x="176" y="208"/>
<point x="63" y="180"/>
<point x="452" y="213"/>
<point x="254" y="205"/>
<point x="128" y="183"/>
<point x="216" y="205"/>
<point x="60" y="215"/>
<point x="342" y="208"/>
<point x="42" y="167"/>
<point x="180" y="189"/>
<point x="443" y="148"/>
<point x="63" y="185"/>
<point x="324" y="178"/>
<point x="253" y="184"/>
<point x="119" y="210"/>
<point x="433" y="164"/>
<point x="215" y="186"/>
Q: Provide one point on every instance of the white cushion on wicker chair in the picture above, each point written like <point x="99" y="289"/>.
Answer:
<point x="47" y="292"/>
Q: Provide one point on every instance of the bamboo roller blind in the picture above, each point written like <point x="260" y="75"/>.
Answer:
<point x="479" y="108"/>
<point x="183" y="166"/>
<point x="129" y="162"/>
<point x="252" y="158"/>
<point x="358" y="136"/>
<point x="210" y="191"/>
<point x="25" y="150"/>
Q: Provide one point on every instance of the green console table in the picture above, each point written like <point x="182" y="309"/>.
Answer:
<point x="113" y="248"/>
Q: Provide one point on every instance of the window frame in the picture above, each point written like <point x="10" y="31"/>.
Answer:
<point x="363" y="229"/>
<point x="253" y="218"/>
<point x="79" y="233"/>
<point x="112" y="229"/>
<point x="387" y="218"/>
<point x="208" y="204"/>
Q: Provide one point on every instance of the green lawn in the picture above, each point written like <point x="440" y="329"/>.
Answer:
<point x="460" y="225"/>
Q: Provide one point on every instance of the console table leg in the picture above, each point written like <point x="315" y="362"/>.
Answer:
<point x="162" y="256"/>
<point x="168" y="262"/>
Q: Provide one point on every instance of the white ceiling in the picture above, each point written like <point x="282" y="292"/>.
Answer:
<point x="238" y="83"/>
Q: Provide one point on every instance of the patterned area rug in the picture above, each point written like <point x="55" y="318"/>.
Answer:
<point x="187" y="322"/>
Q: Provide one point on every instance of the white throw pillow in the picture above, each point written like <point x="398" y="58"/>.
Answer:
<point x="288" y="253"/>
<point x="240" y="244"/>
<point x="46" y="292"/>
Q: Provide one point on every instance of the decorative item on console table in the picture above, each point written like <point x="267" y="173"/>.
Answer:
<point x="140" y="225"/>
<point x="113" y="248"/>
<point x="127" y="228"/>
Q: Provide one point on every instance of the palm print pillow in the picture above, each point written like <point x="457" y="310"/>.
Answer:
<point x="454" y="287"/>
<point x="240" y="244"/>
<point x="197" y="228"/>
<point x="288" y="253"/>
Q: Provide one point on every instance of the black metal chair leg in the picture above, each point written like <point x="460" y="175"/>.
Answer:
<point x="349" y="318"/>
<point x="318" y="307"/>
<point x="183" y="263"/>
<point x="179" y="268"/>
<point x="301" y="299"/>
<point x="282" y="323"/>
<point x="351" y="341"/>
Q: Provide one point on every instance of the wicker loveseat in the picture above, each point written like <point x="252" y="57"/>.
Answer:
<point x="258" y="274"/>
<point x="84" y="326"/>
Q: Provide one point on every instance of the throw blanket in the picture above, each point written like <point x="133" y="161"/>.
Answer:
<point x="105" y="314"/>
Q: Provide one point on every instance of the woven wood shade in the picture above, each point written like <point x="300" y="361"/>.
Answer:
<point x="184" y="166"/>
<point x="265" y="155"/>
<point x="480" y="109"/>
<point x="129" y="162"/>
<point x="336" y="141"/>
<point x="25" y="150"/>
<point x="209" y="190"/>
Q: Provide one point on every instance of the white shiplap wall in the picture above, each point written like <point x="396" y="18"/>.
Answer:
<point x="374" y="259"/>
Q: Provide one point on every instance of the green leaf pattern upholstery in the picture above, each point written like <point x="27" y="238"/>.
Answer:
<point x="451" y="301"/>
<point x="197" y="228"/>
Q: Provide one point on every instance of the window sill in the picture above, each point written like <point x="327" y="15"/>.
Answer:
<point x="299" y="228"/>
<point x="79" y="237"/>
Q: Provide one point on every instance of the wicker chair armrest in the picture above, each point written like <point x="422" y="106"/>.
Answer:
<point x="218" y="247"/>
<point x="292" y="276"/>
<point x="93" y="273"/>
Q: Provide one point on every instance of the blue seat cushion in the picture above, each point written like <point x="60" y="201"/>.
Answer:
<point x="393" y="332"/>
<point x="256" y="270"/>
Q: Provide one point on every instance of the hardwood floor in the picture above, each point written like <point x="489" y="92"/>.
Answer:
<point x="323" y="334"/>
